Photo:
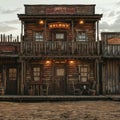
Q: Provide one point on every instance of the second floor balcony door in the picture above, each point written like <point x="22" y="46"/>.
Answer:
<point x="59" y="36"/>
<point x="59" y="39"/>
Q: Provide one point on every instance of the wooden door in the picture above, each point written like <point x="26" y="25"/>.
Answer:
<point x="60" y="81"/>
<point x="11" y="83"/>
<point x="58" y="35"/>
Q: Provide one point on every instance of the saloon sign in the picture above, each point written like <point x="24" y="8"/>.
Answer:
<point x="60" y="10"/>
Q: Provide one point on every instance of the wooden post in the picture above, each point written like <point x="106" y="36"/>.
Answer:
<point x="21" y="45"/>
<point x="44" y="42"/>
<point x="72" y="36"/>
<point x="22" y="77"/>
<point x="97" y="76"/>
<point x="18" y="82"/>
<point x="98" y="44"/>
<point x="4" y="76"/>
<point x="1" y="38"/>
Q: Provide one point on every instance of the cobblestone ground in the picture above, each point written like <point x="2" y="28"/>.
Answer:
<point x="82" y="110"/>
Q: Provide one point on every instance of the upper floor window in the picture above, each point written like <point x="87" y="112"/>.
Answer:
<point x="39" y="36"/>
<point x="59" y="35"/>
<point x="81" y="36"/>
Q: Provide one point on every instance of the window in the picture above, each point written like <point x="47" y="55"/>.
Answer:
<point x="83" y="73"/>
<point x="36" y="73"/>
<point x="81" y="36"/>
<point x="39" y="36"/>
<point x="12" y="73"/>
<point x="59" y="36"/>
<point x="60" y="72"/>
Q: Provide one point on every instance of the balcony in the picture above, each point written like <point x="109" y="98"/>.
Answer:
<point x="59" y="49"/>
<point x="111" y="50"/>
<point x="9" y="46"/>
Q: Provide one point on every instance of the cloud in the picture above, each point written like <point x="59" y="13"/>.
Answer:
<point x="12" y="22"/>
<point x="114" y="27"/>
<point x="111" y="14"/>
<point x="118" y="4"/>
<point x="9" y="11"/>
<point x="6" y="28"/>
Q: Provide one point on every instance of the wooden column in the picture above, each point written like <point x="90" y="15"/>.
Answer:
<point x="72" y="36"/>
<point x="22" y="32"/>
<point x="98" y="44"/>
<point x="22" y="77"/>
<point x="18" y="80"/>
<point x="97" y="76"/>
<point x="45" y="36"/>
<point x="4" y="76"/>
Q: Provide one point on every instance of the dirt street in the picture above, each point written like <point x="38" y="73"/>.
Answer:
<point x="82" y="110"/>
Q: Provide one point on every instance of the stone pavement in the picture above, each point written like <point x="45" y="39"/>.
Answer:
<point x="76" y="110"/>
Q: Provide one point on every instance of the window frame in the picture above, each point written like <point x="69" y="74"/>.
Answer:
<point x="81" y="35"/>
<point x="39" y="37"/>
<point x="82" y="73"/>
<point x="36" y="74"/>
<point x="12" y="75"/>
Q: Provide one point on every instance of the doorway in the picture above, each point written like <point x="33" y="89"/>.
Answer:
<point x="11" y="83"/>
<point x="60" y="81"/>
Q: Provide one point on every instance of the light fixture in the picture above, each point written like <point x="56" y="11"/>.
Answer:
<point x="81" y="22"/>
<point x="71" y="62"/>
<point x="48" y="62"/>
<point x="41" y="22"/>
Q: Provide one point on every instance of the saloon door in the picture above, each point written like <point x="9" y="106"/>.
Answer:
<point x="11" y="83"/>
<point x="60" y="81"/>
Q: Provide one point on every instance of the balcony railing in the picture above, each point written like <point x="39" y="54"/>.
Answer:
<point x="60" y="48"/>
<point x="111" y="50"/>
<point x="9" y="45"/>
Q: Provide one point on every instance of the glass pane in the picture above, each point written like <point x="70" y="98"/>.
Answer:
<point x="59" y="36"/>
<point x="36" y="78"/>
<point x="60" y="72"/>
<point x="83" y="74"/>
<point x="81" y="36"/>
<point x="12" y="74"/>
<point x="84" y="79"/>
<point x="36" y="73"/>
<point x="39" y="36"/>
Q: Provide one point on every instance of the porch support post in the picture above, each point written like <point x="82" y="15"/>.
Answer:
<point x="72" y="36"/>
<point x="22" y="77"/>
<point x="4" y="76"/>
<point x="97" y="76"/>
<point x="45" y="27"/>
<point x="98" y="44"/>
<point x="18" y="80"/>
<point x="22" y="27"/>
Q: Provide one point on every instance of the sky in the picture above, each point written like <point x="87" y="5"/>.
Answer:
<point x="10" y="24"/>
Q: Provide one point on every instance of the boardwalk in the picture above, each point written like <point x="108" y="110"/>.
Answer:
<point x="24" y="98"/>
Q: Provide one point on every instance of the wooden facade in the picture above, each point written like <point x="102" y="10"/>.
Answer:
<point x="59" y="53"/>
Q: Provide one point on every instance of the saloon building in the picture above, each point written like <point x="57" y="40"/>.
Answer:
<point x="60" y="53"/>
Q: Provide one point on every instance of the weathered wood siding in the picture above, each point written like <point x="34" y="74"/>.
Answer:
<point x="111" y="77"/>
<point x="59" y="9"/>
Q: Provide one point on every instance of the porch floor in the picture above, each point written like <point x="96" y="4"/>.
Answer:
<point x="20" y="98"/>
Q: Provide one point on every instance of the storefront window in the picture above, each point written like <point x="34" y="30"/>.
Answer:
<point x="36" y="73"/>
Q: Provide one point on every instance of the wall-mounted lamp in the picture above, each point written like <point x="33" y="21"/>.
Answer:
<point x="71" y="62"/>
<point x="81" y="22"/>
<point x="41" y="22"/>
